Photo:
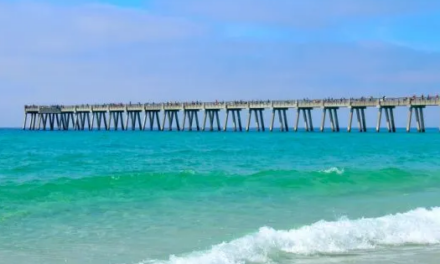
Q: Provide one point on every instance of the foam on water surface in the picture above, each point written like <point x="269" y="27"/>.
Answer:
<point x="417" y="227"/>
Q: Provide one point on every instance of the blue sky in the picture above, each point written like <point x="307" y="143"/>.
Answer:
<point x="81" y="51"/>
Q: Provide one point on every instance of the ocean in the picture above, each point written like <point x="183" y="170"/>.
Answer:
<point x="219" y="198"/>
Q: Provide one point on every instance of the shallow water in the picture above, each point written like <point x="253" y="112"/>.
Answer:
<point x="182" y="197"/>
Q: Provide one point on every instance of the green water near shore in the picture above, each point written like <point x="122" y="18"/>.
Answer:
<point x="132" y="197"/>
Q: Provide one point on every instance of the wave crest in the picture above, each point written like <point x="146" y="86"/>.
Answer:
<point x="420" y="226"/>
<point x="333" y="170"/>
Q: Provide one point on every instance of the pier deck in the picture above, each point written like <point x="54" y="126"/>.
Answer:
<point x="135" y="116"/>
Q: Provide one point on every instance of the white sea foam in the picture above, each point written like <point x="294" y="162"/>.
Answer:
<point x="333" y="170"/>
<point x="420" y="227"/>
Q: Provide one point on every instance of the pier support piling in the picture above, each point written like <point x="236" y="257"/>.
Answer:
<point x="258" y="115"/>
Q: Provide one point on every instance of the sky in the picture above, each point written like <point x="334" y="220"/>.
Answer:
<point x="80" y="51"/>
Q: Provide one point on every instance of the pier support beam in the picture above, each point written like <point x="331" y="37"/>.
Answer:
<point x="171" y="115"/>
<point x="153" y="117"/>
<point x="379" y="119"/>
<point x="408" y="125"/>
<point x="101" y="118"/>
<point x="135" y="118"/>
<point x="236" y="119"/>
<point x="389" y="115"/>
<point x="80" y="120"/>
<point x="118" y="119"/>
<point x="282" y="115"/>
<point x="258" y="113"/>
<point x="212" y="115"/>
<point x="67" y="118"/>
<point x="418" y="111"/>
<point x="334" y="120"/>
<point x="360" y="114"/>
<point x="25" y="120"/>
<point x="422" y="120"/>
<point x="307" y="116"/>
<point x="191" y="114"/>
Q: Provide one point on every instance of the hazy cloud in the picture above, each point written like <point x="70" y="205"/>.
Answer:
<point x="101" y="53"/>
<point x="302" y="14"/>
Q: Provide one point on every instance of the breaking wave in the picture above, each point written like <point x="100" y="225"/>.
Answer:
<point x="333" y="170"/>
<point x="417" y="227"/>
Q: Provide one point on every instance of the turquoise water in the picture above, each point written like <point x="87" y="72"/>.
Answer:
<point x="219" y="198"/>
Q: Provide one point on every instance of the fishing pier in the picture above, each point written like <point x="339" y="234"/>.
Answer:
<point x="167" y="116"/>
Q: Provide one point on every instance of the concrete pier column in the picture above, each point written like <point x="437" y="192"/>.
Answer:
<point x="387" y="114"/>
<point x="58" y="121"/>
<point x="25" y="121"/>
<point x="31" y="121"/>
<point x="127" y="120"/>
<point x="364" y="120"/>
<point x="156" y="113"/>
<point x="419" y="126"/>
<point x="89" y="123"/>
<point x="144" y="123"/>
<point x="359" y="118"/>
<point x="393" y="124"/>
<point x="110" y="119"/>
<point x="218" y="120"/>
<point x="45" y="116"/>
<point x="211" y="121"/>
<point x="257" y="121"/>
<point x="332" y="120"/>
<point x="92" y="124"/>
<point x="72" y="118"/>
<point x="63" y="121"/>
<point x="240" y="128"/>
<point x="115" y="121"/>
<point x="422" y="120"/>
<point x="350" y="120"/>
<point x="152" y="117"/>
<point x="98" y="117"/>
<point x="205" y="116"/>
<point x="170" y="120"/>
<point x="286" y="123"/>
<point x="43" y="123"/>
<point x="83" y="121"/>
<point x="306" y="121"/>
<point x="263" y="128"/>
<point x="39" y="122"/>
<point x="297" y="119"/>
<point x="187" y="115"/>
<point x="280" y="116"/>
<point x="324" y="111"/>
<point x="176" y="116"/>
<point x="234" y="121"/>
<point x="310" y="120"/>
<point x="249" y="120"/>
<point x="336" y="119"/>
<point x="272" y="120"/>
<point x="51" y="121"/>
<point x="104" y="118"/>
<point x="139" y="120"/>
<point x="116" y="118"/>
<point x="225" y="127"/>
<point x="379" y="119"/>
<point x="77" y="123"/>
<point x="165" y="113"/>
<point x="196" y="113"/>
<point x="121" y="115"/>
